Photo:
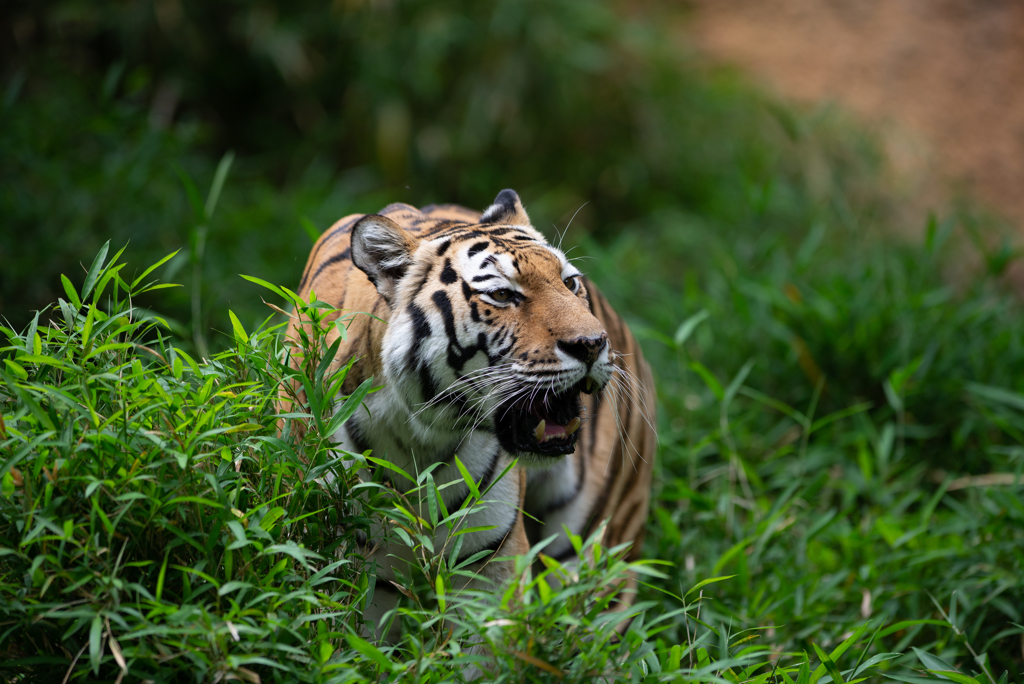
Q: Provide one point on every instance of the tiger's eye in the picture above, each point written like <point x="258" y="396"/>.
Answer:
<point x="571" y="283"/>
<point x="502" y="295"/>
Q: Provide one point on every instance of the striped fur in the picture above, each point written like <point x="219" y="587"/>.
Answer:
<point x="481" y="329"/>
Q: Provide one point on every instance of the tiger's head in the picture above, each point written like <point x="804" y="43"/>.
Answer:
<point x="490" y="327"/>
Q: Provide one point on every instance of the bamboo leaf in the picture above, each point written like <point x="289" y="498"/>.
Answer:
<point x="219" y="177"/>
<point x="687" y="327"/>
<point x="370" y="651"/>
<point x="94" y="270"/>
<point x="236" y="326"/>
<point x="709" y="378"/>
<point x="829" y="665"/>
<point x="96" y="644"/>
<point x="704" y="583"/>
<point x="69" y="289"/>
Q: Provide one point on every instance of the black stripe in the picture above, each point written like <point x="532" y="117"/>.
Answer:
<point x="448" y="273"/>
<point x="463" y="231"/>
<point x="588" y="285"/>
<point x="543" y="373"/>
<point x="477" y="248"/>
<point x="501" y="353"/>
<point x="457" y="354"/>
<point x="381" y="584"/>
<point x="444" y="247"/>
<point x="329" y="262"/>
<point x="443" y="224"/>
<point x="444" y="305"/>
<point x="592" y="423"/>
<point x="481" y="278"/>
<point x="427" y="384"/>
<point x="421" y="331"/>
<point x="356" y="434"/>
<point x="324" y="240"/>
<point x="504" y="230"/>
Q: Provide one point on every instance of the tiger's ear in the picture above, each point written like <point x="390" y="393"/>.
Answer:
<point x="383" y="250"/>
<point x="507" y="209"/>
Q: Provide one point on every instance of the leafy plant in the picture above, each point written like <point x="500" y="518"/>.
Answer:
<point x="157" y="525"/>
<point x="150" y="510"/>
<point x="840" y="400"/>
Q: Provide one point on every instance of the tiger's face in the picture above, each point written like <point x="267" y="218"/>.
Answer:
<point x="490" y="328"/>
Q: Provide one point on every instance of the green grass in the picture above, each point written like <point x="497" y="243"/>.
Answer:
<point x="156" y="524"/>
<point x="840" y="419"/>
<point x="154" y="517"/>
<point x="830" y="472"/>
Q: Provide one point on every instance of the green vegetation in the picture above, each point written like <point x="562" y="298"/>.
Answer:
<point x="152" y="514"/>
<point x="842" y="427"/>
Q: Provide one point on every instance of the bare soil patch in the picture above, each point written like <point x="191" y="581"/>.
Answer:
<point x="951" y="72"/>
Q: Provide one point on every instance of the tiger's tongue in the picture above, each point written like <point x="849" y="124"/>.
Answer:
<point x="546" y="430"/>
<point x="554" y="430"/>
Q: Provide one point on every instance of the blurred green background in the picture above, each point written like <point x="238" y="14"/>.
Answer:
<point x="775" y="230"/>
<point x="334" y="108"/>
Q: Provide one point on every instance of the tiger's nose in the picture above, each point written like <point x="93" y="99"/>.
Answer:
<point x="585" y="349"/>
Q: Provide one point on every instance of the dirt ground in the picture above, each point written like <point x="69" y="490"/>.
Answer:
<point x="949" y="72"/>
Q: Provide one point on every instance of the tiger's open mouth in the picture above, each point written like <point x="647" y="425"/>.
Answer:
<point x="545" y="424"/>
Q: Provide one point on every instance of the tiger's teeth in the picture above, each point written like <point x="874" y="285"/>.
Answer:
<point x="539" y="432"/>
<point x="573" y="426"/>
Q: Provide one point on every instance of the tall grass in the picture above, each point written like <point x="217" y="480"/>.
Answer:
<point x="841" y="425"/>
<point x="157" y="526"/>
<point x="841" y="430"/>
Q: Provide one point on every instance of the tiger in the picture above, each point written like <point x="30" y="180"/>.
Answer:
<point x="492" y="347"/>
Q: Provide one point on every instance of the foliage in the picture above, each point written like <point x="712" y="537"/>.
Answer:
<point x="840" y="424"/>
<point x="841" y="431"/>
<point x="339" y="108"/>
<point x="155" y="523"/>
<point x="150" y="512"/>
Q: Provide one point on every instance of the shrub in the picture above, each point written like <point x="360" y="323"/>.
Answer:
<point x="156" y="525"/>
<point x="154" y="522"/>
